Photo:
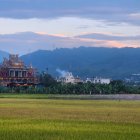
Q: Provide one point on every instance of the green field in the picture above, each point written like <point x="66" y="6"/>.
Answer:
<point x="49" y="119"/>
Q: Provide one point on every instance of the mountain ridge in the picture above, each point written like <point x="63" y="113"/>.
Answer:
<point x="3" y="54"/>
<point x="87" y="61"/>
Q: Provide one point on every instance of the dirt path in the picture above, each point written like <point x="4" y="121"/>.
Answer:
<point x="98" y="97"/>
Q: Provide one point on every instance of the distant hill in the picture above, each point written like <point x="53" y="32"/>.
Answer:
<point x="2" y="55"/>
<point x="88" y="61"/>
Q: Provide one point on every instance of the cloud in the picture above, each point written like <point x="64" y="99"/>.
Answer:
<point x="109" y="10"/>
<point x="109" y="37"/>
<point x="22" y="43"/>
<point x="135" y="15"/>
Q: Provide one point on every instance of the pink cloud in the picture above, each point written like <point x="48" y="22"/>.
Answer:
<point x="22" y="43"/>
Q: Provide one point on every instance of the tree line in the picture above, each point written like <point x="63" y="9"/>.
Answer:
<point x="48" y="85"/>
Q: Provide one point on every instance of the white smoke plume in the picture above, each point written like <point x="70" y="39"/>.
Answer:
<point x="62" y="73"/>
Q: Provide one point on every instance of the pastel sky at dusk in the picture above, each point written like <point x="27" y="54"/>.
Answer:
<point x="29" y="25"/>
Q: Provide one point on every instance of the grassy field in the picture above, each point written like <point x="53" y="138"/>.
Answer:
<point x="49" y="119"/>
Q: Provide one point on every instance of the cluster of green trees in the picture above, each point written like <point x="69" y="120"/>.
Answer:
<point x="115" y="87"/>
<point x="48" y="85"/>
<point x="84" y="88"/>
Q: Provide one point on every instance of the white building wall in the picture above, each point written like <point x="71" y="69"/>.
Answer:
<point x="105" y="81"/>
<point x="99" y="80"/>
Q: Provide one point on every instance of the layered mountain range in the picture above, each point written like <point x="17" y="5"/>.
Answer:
<point x="115" y="63"/>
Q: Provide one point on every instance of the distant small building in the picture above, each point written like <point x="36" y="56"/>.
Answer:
<point x="133" y="79"/>
<point x="99" y="80"/>
<point x="102" y="80"/>
<point x="13" y="72"/>
<point x="89" y="80"/>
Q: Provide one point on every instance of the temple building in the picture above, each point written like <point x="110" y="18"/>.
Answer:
<point x="13" y="72"/>
<point x="69" y="78"/>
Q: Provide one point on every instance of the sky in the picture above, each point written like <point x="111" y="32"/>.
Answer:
<point x="49" y="24"/>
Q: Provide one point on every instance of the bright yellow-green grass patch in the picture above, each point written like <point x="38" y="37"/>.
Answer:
<point x="45" y="119"/>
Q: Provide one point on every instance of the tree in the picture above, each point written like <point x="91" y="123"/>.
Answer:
<point x="118" y="86"/>
<point x="47" y="80"/>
